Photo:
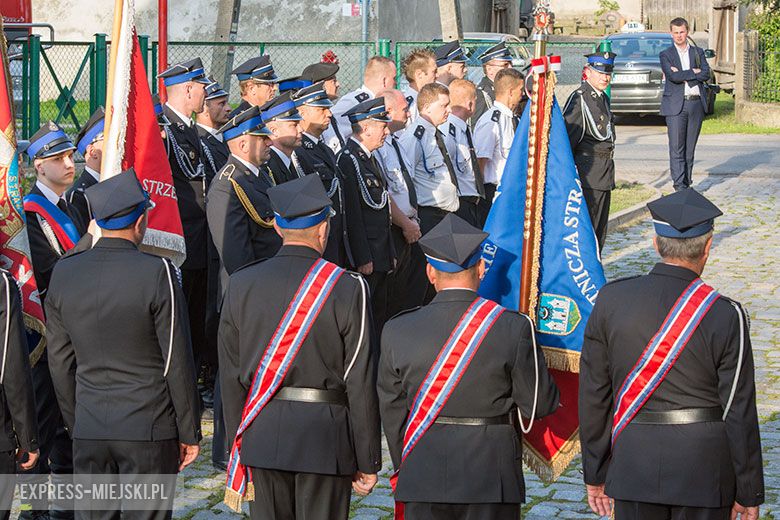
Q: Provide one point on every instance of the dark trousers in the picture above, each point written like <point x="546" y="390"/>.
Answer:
<point x="195" y="285"/>
<point x="284" y="495"/>
<point x="429" y="217"/>
<point x="598" y="209"/>
<point x="486" y="203"/>
<point x="212" y="309"/>
<point x="219" y="444"/>
<point x="379" y="288"/>
<point x="683" y="130"/>
<point x="628" y="510"/>
<point x="435" y="511"/>
<point x="56" y="450"/>
<point x="7" y="470"/>
<point x="408" y="282"/>
<point x="109" y="457"/>
<point x="470" y="211"/>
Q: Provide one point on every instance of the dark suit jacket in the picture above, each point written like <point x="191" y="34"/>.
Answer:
<point x="77" y="199"/>
<point x="698" y="465"/>
<point x="43" y="255"/>
<point x="317" y="157"/>
<point x="674" y="88"/>
<point x="119" y="371"/>
<point x="368" y="228"/>
<point x="278" y="170"/>
<point x="238" y="239"/>
<point x="18" y="418"/>
<point x="190" y="193"/>
<point x="240" y="108"/>
<point x="219" y="153"/>
<point x="453" y="463"/>
<point x="296" y="436"/>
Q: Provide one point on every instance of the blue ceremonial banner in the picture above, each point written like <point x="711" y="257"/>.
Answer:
<point x="570" y="267"/>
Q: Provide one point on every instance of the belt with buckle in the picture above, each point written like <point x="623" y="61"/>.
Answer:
<point x="475" y="421"/>
<point x="692" y="97"/>
<point x="685" y="416"/>
<point x="311" y="395"/>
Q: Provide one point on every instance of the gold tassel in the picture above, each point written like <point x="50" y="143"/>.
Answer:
<point x="249" y="496"/>
<point x="233" y="500"/>
<point x="562" y="359"/>
<point x="549" y="472"/>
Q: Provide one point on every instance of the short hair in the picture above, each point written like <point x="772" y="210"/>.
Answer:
<point x="506" y="79"/>
<point x="391" y="93"/>
<point x="416" y="60"/>
<point x="377" y="65"/>
<point x="679" y="22"/>
<point x="430" y="94"/>
<point x="690" y="249"/>
<point x="462" y="90"/>
<point x="243" y="86"/>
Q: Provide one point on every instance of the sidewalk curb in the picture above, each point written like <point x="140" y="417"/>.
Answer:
<point x="630" y="215"/>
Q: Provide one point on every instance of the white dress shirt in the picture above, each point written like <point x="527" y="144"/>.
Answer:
<point x="493" y="139"/>
<point x="95" y="174"/>
<point x="283" y="156"/>
<point x="49" y="193"/>
<point x="212" y="131"/>
<point x="685" y="60"/>
<point x="396" y="184"/>
<point x="454" y="131"/>
<point x="252" y="168"/>
<point x="184" y="119"/>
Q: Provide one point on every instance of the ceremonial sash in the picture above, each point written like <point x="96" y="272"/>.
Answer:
<point x="63" y="227"/>
<point x="445" y="374"/>
<point x="661" y="353"/>
<point x="274" y="364"/>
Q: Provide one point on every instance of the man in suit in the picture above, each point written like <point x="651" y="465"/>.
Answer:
<point x="53" y="228"/>
<point x="18" y="420"/>
<point x="185" y="84"/>
<point x="683" y="440"/>
<point x="257" y="82"/>
<point x="467" y="462"/>
<point x="118" y="345"/>
<point x="315" y="433"/>
<point x="685" y="69"/>
<point x="494" y="60"/>
<point x="216" y="111"/>
<point x="378" y="76"/>
<point x="239" y="213"/>
<point x="591" y="129"/>
<point x="89" y="143"/>
<point x="283" y="120"/>
<point x="450" y="62"/>
<point x="314" y="156"/>
<point x="369" y="212"/>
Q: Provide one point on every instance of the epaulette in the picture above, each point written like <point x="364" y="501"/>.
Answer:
<point x="453" y="130"/>
<point x="406" y="311"/>
<point x="250" y="264"/>
<point x="409" y="100"/>
<point x="496" y="117"/>
<point x="227" y="171"/>
<point x="419" y="131"/>
<point x="361" y="96"/>
<point x="739" y="306"/>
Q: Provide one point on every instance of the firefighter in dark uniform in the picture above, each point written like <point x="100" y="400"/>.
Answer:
<point x="52" y="153"/>
<point x="591" y="129"/>
<point x="494" y="60"/>
<point x="185" y="84"/>
<point x="314" y="156"/>
<point x="692" y="449"/>
<point x="89" y="143"/>
<point x="118" y="343"/>
<point x="239" y="213"/>
<point x="468" y="465"/>
<point x="17" y="414"/>
<point x="257" y="82"/>
<point x="215" y="114"/>
<point x="319" y="436"/>
<point x="283" y="120"/>
<point x="369" y="212"/>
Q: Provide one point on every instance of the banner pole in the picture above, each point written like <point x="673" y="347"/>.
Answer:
<point x="162" y="45"/>
<point x="118" y="11"/>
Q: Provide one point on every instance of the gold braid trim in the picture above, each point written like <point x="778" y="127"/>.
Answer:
<point x="250" y="209"/>
<point x="550" y="471"/>
<point x="562" y="359"/>
<point x="549" y="90"/>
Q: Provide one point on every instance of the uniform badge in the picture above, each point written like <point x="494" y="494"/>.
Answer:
<point x="363" y="96"/>
<point x="308" y="145"/>
<point x="53" y="126"/>
<point x="496" y="117"/>
<point x="452" y="130"/>
<point x="419" y="131"/>
<point x="409" y="100"/>
<point x="192" y="155"/>
<point x="558" y="315"/>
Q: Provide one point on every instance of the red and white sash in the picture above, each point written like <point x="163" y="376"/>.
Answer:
<point x="445" y="374"/>
<point x="274" y="364"/>
<point x="662" y="352"/>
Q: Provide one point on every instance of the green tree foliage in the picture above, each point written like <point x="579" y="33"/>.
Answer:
<point x="606" y="6"/>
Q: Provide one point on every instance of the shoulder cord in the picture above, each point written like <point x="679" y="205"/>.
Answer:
<point x="173" y="317"/>
<point x="425" y="164"/>
<point x="739" y="360"/>
<point x="248" y="207"/>
<point x="364" y="189"/>
<point x="8" y="324"/>
<point x="363" y="300"/>
<point x="488" y="99"/>
<point x="334" y="184"/>
<point x="209" y="156"/>
<point x="536" y="382"/>
<point x="182" y="159"/>
<point x="297" y="165"/>
<point x="50" y="236"/>
<point x="592" y="123"/>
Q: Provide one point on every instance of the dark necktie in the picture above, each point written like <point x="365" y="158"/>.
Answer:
<point x="479" y="180"/>
<point x="405" y="173"/>
<point x="336" y="130"/>
<point x="515" y="121"/>
<point x="446" y="156"/>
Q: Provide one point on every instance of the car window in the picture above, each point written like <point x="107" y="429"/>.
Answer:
<point x="637" y="48"/>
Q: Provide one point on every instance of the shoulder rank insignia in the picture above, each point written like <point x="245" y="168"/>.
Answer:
<point x="361" y="96"/>
<point x="496" y="117"/>
<point x="409" y="100"/>
<point x="453" y="130"/>
<point x="227" y="171"/>
<point x="308" y="144"/>
<point x="419" y="131"/>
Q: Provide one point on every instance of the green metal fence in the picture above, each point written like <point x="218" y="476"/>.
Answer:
<point x="762" y="67"/>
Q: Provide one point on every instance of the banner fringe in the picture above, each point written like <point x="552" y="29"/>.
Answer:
<point x="234" y="500"/>
<point x="562" y="359"/>
<point x="550" y="471"/>
<point x="167" y="245"/>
